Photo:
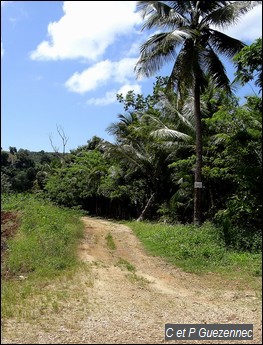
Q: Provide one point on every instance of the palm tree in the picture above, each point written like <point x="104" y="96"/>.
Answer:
<point x="138" y="144"/>
<point x="190" y="41"/>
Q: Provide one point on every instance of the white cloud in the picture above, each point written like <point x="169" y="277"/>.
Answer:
<point x="91" y="78"/>
<point x="124" y="69"/>
<point x="110" y="96"/>
<point x="134" y="49"/>
<point x="100" y="73"/>
<point x="128" y="87"/>
<point x="249" y="27"/>
<point x="87" y="29"/>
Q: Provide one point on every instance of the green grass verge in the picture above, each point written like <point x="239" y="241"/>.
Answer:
<point x="43" y="249"/>
<point x="196" y="249"/>
<point x="47" y="238"/>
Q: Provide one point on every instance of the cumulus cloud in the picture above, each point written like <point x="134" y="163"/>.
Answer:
<point x="91" y="78"/>
<point x="101" y="73"/>
<point x="110" y="96"/>
<point x="134" y="49"/>
<point x="87" y="29"/>
<point x="128" y="87"/>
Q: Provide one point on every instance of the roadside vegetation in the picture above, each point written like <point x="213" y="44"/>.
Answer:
<point x="46" y="239"/>
<point x="42" y="250"/>
<point x="199" y="250"/>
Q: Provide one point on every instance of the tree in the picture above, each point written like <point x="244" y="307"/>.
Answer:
<point x="5" y="183"/>
<point x="189" y="40"/>
<point x="12" y="150"/>
<point x="233" y="168"/>
<point x="141" y="147"/>
<point x="4" y="158"/>
<point x="249" y="61"/>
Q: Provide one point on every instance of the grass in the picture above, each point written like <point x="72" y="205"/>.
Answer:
<point x="110" y="242"/>
<point x="131" y="275"/>
<point x="43" y="249"/>
<point x="198" y="250"/>
<point x="122" y="263"/>
<point x="35" y="298"/>
<point x="139" y="280"/>
<point x="47" y="238"/>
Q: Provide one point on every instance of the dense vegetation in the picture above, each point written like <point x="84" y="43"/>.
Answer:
<point x="200" y="250"/>
<point x="149" y="170"/>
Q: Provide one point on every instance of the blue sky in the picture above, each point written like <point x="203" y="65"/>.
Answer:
<point x="62" y="63"/>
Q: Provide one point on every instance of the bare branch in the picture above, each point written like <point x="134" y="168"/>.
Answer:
<point x="63" y="136"/>
<point x="56" y="150"/>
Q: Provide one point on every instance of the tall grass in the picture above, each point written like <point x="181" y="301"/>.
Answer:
<point x="47" y="238"/>
<point x="196" y="249"/>
<point x="43" y="249"/>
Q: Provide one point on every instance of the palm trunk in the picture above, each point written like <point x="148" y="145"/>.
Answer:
<point x="199" y="149"/>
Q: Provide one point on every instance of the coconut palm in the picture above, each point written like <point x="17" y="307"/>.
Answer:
<point x="140" y="143"/>
<point x="187" y="36"/>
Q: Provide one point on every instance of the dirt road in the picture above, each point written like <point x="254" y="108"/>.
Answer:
<point x="126" y="297"/>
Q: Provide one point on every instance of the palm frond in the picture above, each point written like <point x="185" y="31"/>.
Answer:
<point x="207" y="7"/>
<point x="125" y="152"/>
<point x="148" y="8"/>
<point x="216" y="70"/>
<point x="158" y="50"/>
<point x="187" y="67"/>
<point x="225" y="44"/>
<point x="185" y="115"/>
<point x="167" y="133"/>
<point x="154" y="119"/>
<point x="160" y="14"/>
<point x="230" y="13"/>
<point x="180" y="7"/>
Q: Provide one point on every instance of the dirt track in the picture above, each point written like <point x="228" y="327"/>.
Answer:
<point x="128" y="296"/>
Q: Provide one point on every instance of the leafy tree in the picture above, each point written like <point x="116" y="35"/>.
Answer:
<point x="4" y="158"/>
<point x="45" y="159"/>
<point x="249" y="63"/>
<point x="12" y="150"/>
<point x="18" y="169"/>
<point x="23" y="160"/>
<point x="92" y="144"/>
<point x="140" y="150"/>
<point x="189" y="40"/>
<point x="76" y="182"/>
<point x="5" y="183"/>
<point x="233" y="171"/>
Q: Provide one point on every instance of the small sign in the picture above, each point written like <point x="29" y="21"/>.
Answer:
<point x="198" y="185"/>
